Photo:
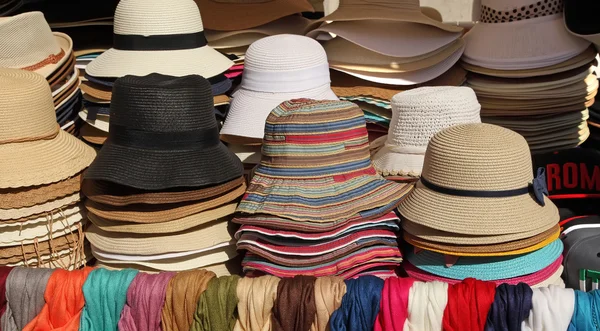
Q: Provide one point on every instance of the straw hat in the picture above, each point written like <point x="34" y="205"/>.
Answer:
<point x="14" y="214"/>
<point x="163" y="134"/>
<point x="93" y="135"/>
<point x="155" y="36"/>
<point x="276" y="69"/>
<point x="476" y="177"/>
<point x="29" y="196"/>
<point x="29" y="44"/>
<point x="36" y="151"/>
<point x="417" y="115"/>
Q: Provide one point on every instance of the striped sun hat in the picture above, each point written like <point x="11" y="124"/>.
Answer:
<point x="316" y="166"/>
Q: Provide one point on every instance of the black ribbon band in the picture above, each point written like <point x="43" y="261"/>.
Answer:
<point x="179" y="140"/>
<point x="170" y="42"/>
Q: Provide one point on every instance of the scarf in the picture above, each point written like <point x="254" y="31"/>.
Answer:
<point x="64" y="302"/>
<point x="512" y="304"/>
<point x="217" y="307"/>
<point x="181" y="299"/>
<point x="393" y="307"/>
<point x="586" y="315"/>
<point x="329" y="292"/>
<point x="426" y="305"/>
<point x="145" y="300"/>
<point x="360" y="305"/>
<point x="552" y="309"/>
<point x="468" y="305"/>
<point x="295" y="308"/>
<point x="256" y="298"/>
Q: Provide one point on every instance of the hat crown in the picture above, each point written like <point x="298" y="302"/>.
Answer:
<point x="420" y="113"/>
<point x="157" y="17"/>
<point x="26" y="106"/>
<point x="26" y="40"/>
<point x="480" y="157"/>
<point x="160" y="103"/>
<point x="502" y="11"/>
<point x="283" y="53"/>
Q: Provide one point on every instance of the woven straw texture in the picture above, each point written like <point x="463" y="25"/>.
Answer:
<point x="34" y="195"/>
<point x="284" y="53"/>
<point x="12" y="214"/>
<point x="156" y="17"/>
<point x="20" y="253"/>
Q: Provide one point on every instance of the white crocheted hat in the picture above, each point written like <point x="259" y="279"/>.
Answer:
<point x="416" y="116"/>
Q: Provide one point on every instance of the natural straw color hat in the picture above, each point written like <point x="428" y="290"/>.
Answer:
<point x="93" y="135"/>
<point x="29" y="44"/>
<point x="416" y="116"/>
<point x="16" y="254"/>
<point x="13" y="214"/>
<point x="35" y="151"/>
<point x="156" y="36"/>
<point x="14" y="198"/>
<point x="478" y="179"/>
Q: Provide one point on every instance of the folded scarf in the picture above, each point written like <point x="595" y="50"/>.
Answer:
<point x="512" y="304"/>
<point x="217" y="306"/>
<point x="468" y="305"/>
<point x="145" y="300"/>
<point x="426" y="305"/>
<point x="329" y="292"/>
<point x="64" y="302"/>
<point x="360" y="305"/>
<point x="393" y="307"/>
<point x="25" y="295"/>
<point x="295" y="308"/>
<point x="586" y="315"/>
<point x="105" y="294"/>
<point x="552" y="309"/>
<point x="256" y="297"/>
<point x="181" y="299"/>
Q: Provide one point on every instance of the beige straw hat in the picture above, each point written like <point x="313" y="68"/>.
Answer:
<point x="13" y="198"/>
<point x="13" y="214"/>
<point x="15" y="254"/>
<point x="29" y="44"/>
<point x="478" y="179"/>
<point x="34" y="151"/>
<point x="93" y="135"/>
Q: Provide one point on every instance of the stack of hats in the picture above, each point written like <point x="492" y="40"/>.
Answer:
<point x="478" y="211"/>
<point x="315" y="205"/>
<point x="41" y="217"/>
<point x="29" y="44"/>
<point x="594" y="126"/>
<point x="151" y="36"/>
<point x="163" y="185"/>
<point x="542" y="85"/>
<point x="417" y="115"/>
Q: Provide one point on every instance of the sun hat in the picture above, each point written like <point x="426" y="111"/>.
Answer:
<point x="163" y="134"/>
<point x="417" y="115"/>
<point x="13" y="198"/>
<point x="154" y="36"/>
<point x="276" y="69"/>
<point x="477" y="179"/>
<point x="35" y="151"/>
<point x="67" y="87"/>
<point x="340" y="181"/>
<point x="12" y="214"/>
<point x="248" y="13"/>
<point x="16" y="254"/>
<point x="581" y="19"/>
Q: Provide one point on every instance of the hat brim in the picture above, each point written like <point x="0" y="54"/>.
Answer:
<point x="34" y="195"/>
<point x="14" y="214"/>
<point x="66" y="45"/>
<point x="100" y="123"/>
<point x="203" y="61"/>
<point x="389" y="163"/>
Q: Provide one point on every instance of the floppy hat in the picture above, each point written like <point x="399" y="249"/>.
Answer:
<point x="163" y="134"/>
<point x="35" y="151"/>
<point x="29" y="196"/>
<point x="154" y="36"/>
<point x="581" y="19"/>
<point x="316" y="165"/>
<point x="29" y="44"/>
<point x="276" y="69"/>
<point x="12" y="214"/>
<point x="15" y="254"/>
<point x="417" y="115"/>
<point x="477" y="180"/>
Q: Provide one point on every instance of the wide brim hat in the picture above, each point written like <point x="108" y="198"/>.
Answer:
<point x="13" y="214"/>
<point x="20" y="253"/>
<point x="35" y="195"/>
<point x="92" y="135"/>
<point x="52" y="64"/>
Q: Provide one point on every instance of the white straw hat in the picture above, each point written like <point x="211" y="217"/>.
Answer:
<point x="29" y="44"/>
<point x="521" y="34"/>
<point x="157" y="36"/>
<point x="416" y="116"/>
<point x="276" y="69"/>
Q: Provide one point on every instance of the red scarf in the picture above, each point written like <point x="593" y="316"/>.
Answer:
<point x="468" y="305"/>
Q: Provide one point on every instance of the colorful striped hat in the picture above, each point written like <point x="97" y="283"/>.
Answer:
<point x="316" y="165"/>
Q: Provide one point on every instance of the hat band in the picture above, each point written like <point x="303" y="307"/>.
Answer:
<point x="167" y="42"/>
<point x="417" y="150"/>
<point x="179" y="140"/>
<point x="286" y="81"/>
<point x="537" y="187"/>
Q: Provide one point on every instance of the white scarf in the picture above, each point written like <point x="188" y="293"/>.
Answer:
<point x="552" y="309"/>
<point x="426" y="305"/>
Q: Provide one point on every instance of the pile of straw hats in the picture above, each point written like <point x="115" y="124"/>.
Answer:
<point x="479" y="210"/>
<point x="41" y="217"/>
<point x="542" y="85"/>
<point x="29" y="44"/>
<point x="163" y="186"/>
<point x="315" y="205"/>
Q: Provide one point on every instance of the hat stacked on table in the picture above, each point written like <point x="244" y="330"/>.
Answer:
<point x="542" y="85"/>
<point x="163" y="186"/>
<point x="29" y="44"/>
<point x="315" y="205"/>
<point x="152" y="36"/>
<point x="478" y="211"/>
<point x="41" y="217"/>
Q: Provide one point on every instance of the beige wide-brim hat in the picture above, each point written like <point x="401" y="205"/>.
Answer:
<point x="13" y="214"/>
<point x="93" y="135"/>
<point x="35" y="195"/>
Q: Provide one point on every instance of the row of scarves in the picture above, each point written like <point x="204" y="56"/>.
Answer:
<point x="102" y="300"/>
